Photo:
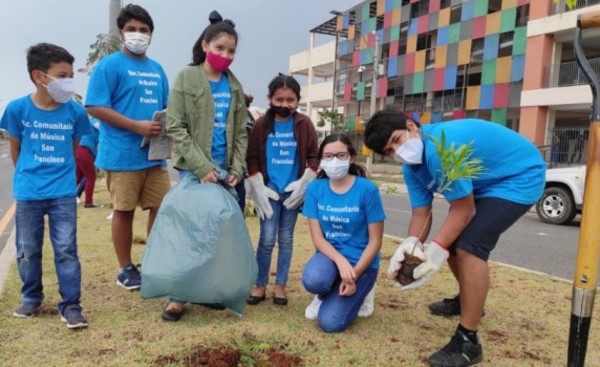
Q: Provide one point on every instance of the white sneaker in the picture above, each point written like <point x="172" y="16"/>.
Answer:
<point x="368" y="306"/>
<point x="312" y="311"/>
<point x="109" y="217"/>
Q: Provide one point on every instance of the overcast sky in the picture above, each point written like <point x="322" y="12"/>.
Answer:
<point x="270" y="31"/>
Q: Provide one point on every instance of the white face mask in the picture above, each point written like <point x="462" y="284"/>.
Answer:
<point x="411" y="152"/>
<point x="336" y="169"/>
<point x="136" y="42"/>
<point x="61" y="90"/>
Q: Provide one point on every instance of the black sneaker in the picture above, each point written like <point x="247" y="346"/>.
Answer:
<point x="27" y="310"/>
<point x="129" y="278"/>
<point x="460" y="352"/>
<point x="72" y="316"/>
<point x="446" y="307"/>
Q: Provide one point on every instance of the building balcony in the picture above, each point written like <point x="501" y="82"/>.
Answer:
<point x="561" y="7"/>
<point x="568" y="74"/>
<point x="318" y="94"/>
<point x="319" y="58"/>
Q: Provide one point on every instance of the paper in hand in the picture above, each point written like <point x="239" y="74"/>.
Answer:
<point x="160" y="145"/>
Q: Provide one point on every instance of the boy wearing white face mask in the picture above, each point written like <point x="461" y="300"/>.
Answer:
<point x="481" y="209"/>
<point x="124" y="91"/>
<point x="44" y="130"/>
<point x="345" y="216"/>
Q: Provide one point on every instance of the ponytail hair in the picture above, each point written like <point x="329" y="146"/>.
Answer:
<point x="354" y="169"/>
<point x="217" y="26"/>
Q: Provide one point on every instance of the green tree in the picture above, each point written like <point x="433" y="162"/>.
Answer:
<point x="570" y="3"/>
<point x="105" y="44"/>
<point x="332" y="117"/>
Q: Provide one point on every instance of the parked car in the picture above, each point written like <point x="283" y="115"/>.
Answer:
<point x="563" y="197"/>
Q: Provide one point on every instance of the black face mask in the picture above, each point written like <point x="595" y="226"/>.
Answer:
<point x="283" y="111"/>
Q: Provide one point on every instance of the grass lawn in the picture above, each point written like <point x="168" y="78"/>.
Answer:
<point x="526" y="321"/>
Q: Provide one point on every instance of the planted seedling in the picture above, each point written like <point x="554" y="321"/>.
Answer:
<point x="457" y="163"/>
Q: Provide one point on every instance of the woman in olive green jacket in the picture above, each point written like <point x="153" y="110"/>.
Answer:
<point x="206" y="117"/>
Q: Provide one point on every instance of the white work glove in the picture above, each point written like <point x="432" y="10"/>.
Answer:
<point x="260" y="195"/>
<point x="298" y="188"/>
<point x="436" y="256"/>
<point x="406" y="247"/>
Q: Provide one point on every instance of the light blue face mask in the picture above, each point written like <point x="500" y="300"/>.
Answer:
<point x="411" y="151"/>
<point x="61" y="90"/>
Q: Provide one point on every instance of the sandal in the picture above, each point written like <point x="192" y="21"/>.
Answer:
<point x="171" y="314"/>
<point x="280" y="301"/>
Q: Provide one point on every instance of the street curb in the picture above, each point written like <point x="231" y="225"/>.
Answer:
<point x="6" y="258"/>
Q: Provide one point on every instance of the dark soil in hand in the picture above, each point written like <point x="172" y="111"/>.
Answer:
<point x="405" y="275"/>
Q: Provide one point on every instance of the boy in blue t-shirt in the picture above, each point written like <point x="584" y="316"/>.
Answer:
<point x="481" y="209"/>
<point x="44" y="129"/>
<point x="124" y="91"/>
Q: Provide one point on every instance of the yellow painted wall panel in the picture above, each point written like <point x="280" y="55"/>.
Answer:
<point x="380" y="7"/>
<point x="363" y="42"/>
<point x="492" y="24"/>
<point x="464" y="52"/>
<point x="420" y="61"/>
<point x="411" y="44"/>
<point x="444" y="18"/>
<point x="351" y="30"/>
<point x="339" y="25"/>
<point x="503" y="69"/>
<point x="440" y="56"/>
<point x="396" y="16"/>
<point x="473" y="97"/>
<point x="507" y="4"/>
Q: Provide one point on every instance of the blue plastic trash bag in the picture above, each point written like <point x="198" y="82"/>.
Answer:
<point x="199" y="249"/>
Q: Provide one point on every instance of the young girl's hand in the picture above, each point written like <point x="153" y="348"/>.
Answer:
<point x="210" y="177"/>
<point x="347" y="289"/>
<point x="347" y="272"/>
<point x="232" y="181"/>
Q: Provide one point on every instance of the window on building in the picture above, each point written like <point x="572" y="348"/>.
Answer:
<point x="506" y="43"/>
<point x="455" y="14"/>
<point x="522" y="16"/>
<point x="494" y="6"/>
<point x="402" y="46"/>
<point x="405" y="2"/>
<point x="477" y="50"/>
<point x="419" y="8"/>
<point x="424" y="41"/>
<point x="444" y="4"/>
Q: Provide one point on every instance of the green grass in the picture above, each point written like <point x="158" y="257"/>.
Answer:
<point x="526" y="322"/>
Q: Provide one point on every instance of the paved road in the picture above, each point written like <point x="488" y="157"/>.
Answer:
<point x="530" y="243"/>
<point x="6" y="199"/>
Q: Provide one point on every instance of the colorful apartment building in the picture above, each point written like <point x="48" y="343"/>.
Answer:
<point x="507" y="61"/>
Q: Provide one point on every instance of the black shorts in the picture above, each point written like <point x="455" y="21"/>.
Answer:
<point x="493" y="216"/>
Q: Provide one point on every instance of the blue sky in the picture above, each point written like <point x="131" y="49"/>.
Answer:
<point x="270" y="31"/>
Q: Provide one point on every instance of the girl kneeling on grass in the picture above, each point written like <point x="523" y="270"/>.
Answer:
<point x="346" y="225"/>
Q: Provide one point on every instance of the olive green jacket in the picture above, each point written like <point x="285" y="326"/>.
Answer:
<point x="190" y="122"/>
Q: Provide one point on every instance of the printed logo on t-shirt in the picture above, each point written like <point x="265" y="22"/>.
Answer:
<point x="47" y="134"/>
<point x="338" y="218"/>
<point x="148" y="80"/>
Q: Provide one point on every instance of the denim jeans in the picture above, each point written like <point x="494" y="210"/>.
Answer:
<point x="321" y="276"/>
<point x="280" y="228"/>
<point x="62" y="221"/>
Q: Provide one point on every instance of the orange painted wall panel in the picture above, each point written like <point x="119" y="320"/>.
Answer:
<point x="503" y="69"/>
<point x="464" y="52"/>
<point x="420" y="61"/>
<point x="396" y="16"/>
<point x="351" y="30"/>
<point x="533" y="124"/>
<point x="473" y="97"/>
<point x="440" y="56"/>
<point x="444" y="18"/>
<point x="492" y="24"/>
<point x="506" y="4"/>
<point x="537" y="58"/>
<point x="411" y="44"/>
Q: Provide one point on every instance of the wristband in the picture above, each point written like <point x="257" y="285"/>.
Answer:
<point x="440" y="244"/>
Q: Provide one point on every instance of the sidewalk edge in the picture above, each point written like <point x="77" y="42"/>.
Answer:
<point x="6" y="258"/>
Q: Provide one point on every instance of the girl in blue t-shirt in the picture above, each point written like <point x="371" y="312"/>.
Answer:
<point x="282" y="160"/>
<point x="346" y="225"/>
<point x="206" y="118"/>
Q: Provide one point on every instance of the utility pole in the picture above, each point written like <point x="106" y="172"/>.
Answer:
<point x="114" y="8"/>
<point x="373" y="92"/>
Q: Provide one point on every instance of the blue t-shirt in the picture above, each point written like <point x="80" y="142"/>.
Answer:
<point x="222" y="96"/>
<point x="136" y="89"/>
<point x="283" y="163"/>
<point x="90" y="140"/>
<point x="46" y="165"/>
<point x="344" y="218"/>
<point x="513" y="167"/>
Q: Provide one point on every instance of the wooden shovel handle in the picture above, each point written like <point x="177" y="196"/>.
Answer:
<point x="589" y="20"/>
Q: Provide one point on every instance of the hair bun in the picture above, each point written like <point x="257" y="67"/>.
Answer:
<point x="215" y="17"/>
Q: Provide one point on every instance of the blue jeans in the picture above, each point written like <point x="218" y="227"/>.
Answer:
<point x="321" y="276"/>
<point x="280" y="228"/>
<point x="62" y="221"/>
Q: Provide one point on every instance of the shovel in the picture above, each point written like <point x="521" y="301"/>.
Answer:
<point x="586" y="272"/>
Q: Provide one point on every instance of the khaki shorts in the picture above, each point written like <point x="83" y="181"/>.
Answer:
<point x="145" y="187"/>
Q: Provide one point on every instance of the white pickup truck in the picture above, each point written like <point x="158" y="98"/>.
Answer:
<point x="563" y="197"/>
